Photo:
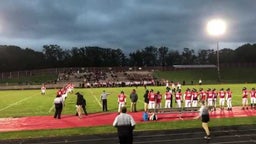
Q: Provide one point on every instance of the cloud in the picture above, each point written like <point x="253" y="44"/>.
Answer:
<point x="125" y="24"/>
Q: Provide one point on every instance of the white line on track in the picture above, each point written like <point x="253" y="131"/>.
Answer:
<point x="13" y="104"/>
<point x="161" y="140"/>
<point x="97" y="100"/>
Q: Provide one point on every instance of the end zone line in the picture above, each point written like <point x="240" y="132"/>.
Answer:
<point x="13" y="104"/>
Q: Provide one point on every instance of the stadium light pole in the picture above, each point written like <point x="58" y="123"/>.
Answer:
<point x="216" y="28"/>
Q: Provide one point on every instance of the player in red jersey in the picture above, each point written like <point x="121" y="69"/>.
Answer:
<point x="229" y="99"/>
<point x="168" y="97"/>
<point x="43" y="89"/>
<point x="158" y="99"/>
<point x="222" y="95"/>
<point x="152" y="99"/>
<point x="69" y="87"/>
<point x="202" y="95"/>
<point x="194" y="98"/>
<point x="210" y="98"/>
<point x="59" y="92"/>
<point x="253" y="98"/>
<point x="187" y="97"/>
<point x="244" y="98"/>
<point x="215" y="97"/>
<point x="64" y="94"/>
<point x="178" y="98"/>
<point x="121" y="101"/>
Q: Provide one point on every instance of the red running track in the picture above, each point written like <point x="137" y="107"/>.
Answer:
<point x="101" y="119"/>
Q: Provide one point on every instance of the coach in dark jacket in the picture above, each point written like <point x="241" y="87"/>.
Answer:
<point x="134" y="98"/>
<point x="146" y="100"/>
<point x="80" y="103"/>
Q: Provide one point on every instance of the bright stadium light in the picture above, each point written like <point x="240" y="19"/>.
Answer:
<point x="216" y="28"/>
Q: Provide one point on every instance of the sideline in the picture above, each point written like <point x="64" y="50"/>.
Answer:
<point x="13" y="104"/>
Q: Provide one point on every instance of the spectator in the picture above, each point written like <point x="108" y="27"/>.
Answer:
<point x="125" y="125"/>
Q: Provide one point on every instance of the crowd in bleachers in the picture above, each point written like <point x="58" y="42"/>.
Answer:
<point x="107" y="78"/>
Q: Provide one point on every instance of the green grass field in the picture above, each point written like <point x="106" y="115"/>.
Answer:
<point x="19" y="103"/>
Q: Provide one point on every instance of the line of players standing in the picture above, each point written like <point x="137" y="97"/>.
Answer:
<point x="191" y="98"/>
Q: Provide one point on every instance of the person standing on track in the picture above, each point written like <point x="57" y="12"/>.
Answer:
<point x="194" y="98"/>
<point x="188" y="98"/>
<point x="103" y="98"/>
<point x="205" y="118"/>
<point x="121" y="100"/>
<point x="202" y="95"/>
<point x="58" y="102"/>
<point x="134" y="99"/>
<point x="245" y="98"/>
<point x="125" y="125"/>
<point x="146" y="101"/>
<point x="253" y="98"/>
<point x="178" y="98"/>
<point x="222" y="95"/>
<point x="229" y="99"/>
<point x="210" y="98"/>
<point x="158" y="99"/>
<point x="152" y="99"/>
<point x="215" y="97"/>
<point x="79" y="104"/>
<point x="168" y="98"/>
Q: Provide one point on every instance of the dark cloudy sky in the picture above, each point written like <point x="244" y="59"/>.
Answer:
<point x="125" y="24"/>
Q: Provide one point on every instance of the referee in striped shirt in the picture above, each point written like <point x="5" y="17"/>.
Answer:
<point x="125" y="125"/>
<point x="103" y="98"/>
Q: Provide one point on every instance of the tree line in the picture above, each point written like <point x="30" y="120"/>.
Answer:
<point x="14" y="58"/>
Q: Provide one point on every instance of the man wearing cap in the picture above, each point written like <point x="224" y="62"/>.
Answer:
<point x="125" y="125"/>
<point x="103" y="98"/>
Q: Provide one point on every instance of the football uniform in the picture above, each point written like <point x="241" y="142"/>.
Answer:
<point x="121" y="101"/>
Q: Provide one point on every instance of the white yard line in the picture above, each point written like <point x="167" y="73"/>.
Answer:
<point x="13" y="104"/>
<point x="97" y="100"/>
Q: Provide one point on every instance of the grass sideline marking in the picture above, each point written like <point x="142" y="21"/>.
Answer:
<point x="13" y="104"/>
<point x="97" y="100"/>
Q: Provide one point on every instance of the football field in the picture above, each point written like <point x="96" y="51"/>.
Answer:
<point x="19" y="103"/>
<point x="22" y="103"/>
